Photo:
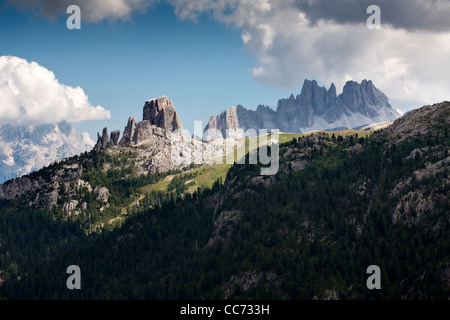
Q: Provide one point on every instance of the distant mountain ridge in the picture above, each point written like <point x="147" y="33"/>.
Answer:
<point x="315" y="108"/>
<point x="26" y="149"/>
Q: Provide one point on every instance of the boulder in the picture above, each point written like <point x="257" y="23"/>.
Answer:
<point x="102" y="194"/>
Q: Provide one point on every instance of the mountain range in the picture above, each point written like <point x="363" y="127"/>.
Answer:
<point x="152" y="214"/>
<point x="315" y="108"/>
<point x="25" y="149"/>
<point x="140" y="227"/>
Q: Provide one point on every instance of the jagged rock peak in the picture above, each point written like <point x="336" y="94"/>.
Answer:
<point x="105" y="137"/>
<point x="315" y="108"/>
<point x="332" y="92"/>
<point x="114" y="138"/>
<point x="104" y="141"/>
<point x="161" y="113"/>
<point x="128" y="132"/>
<point x="355" y="95"/>
<point x="228" y="119"/>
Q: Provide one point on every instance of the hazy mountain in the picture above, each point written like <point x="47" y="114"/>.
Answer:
<point x="315" y="108"/>
<point x="26" y="149"/>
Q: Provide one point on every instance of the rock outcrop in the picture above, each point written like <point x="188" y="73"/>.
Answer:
<point x="19" y="186"/>
<point x="129" y="131"/>
<point x="60" y="187"/>
<point x="114" y="139"/>
<point x="161" y="113"/>
<point x="417" y="122"/>
<point x="102" y="141"/>
<point x="159" y="120"/>
<point x="315" y="108"/>
<point x="222" y="125"/>
<point x="102" y="194"/>
<point x="232" y="122"/>
<point x="51" y="199"/>
<point x="70" y="206"/>
<point x="143" y="132"/>
<point x="162" y="146"/>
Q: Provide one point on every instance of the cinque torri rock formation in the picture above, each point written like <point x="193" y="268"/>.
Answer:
<point x="159" y="140"/>
<point x="159" y="119"/>
<point x="315" y="108"/>
<point x="155" y="144"/>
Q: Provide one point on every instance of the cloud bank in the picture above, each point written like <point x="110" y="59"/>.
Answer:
<point x="30" y="95"/>
<point x="404" y="14"/>
<point x="408" y="58"/>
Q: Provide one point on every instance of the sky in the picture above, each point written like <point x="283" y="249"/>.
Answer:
<point x="209" y="55"/>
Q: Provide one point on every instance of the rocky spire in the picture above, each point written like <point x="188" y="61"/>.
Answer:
<point x="104" y="142"/>
<point x="332" y="93"/>
<point x="161" y="113"/>
<point x="128" y="132"/>
<point x="114" y="138"/>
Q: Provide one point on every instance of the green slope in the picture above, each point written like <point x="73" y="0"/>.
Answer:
<point x="335" y="207"/>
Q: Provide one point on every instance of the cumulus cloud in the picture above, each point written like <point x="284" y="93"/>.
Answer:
<point x="92" y="10"/>
<point x="408" y="58"/>
<point x="30" y="94"/>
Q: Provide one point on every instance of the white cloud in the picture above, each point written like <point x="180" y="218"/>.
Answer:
<point x="408" y="64"/>
<point x="30" y="94"/>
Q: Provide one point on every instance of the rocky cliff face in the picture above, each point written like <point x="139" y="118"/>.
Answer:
<point x="114" y="140"/>
<point x="227" y="120"/>
<point x="232" y="122"/>
<point x="161" y="113"/>
<point x="129" y="131"/>
<point x="104" y="142"/>
<point x="315" y="108"/>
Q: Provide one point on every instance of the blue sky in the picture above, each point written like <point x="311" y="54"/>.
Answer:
<point x="202" y="66"/>
<point x="208" y="55"/>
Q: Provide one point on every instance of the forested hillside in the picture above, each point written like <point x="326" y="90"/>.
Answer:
<point x="336" y="206"/>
